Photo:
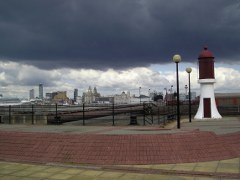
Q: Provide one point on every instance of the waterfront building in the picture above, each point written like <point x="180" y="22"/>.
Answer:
<point x="228" y="99"/>
<point x="90" y="96"/>
<point x="60" y="97"/>
<point x="49" y="96"/>
<point x="185" y="97"/>
<point x="31" y="94"/>
<point x="104" y="100"/>
<point x="40" y="91"/>
<point x="123" y="98"/>
<point x="193" y="96"/>
<point x="75" y="95"/>
<point x="78" y="100"/>
<point x="9" y="101"/>
<point x="170" y="98"/>
<point x="182" y="96"/>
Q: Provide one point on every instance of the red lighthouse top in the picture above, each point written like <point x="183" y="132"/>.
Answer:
<point x="206" y="64"/>
<point x="205" y="54"/>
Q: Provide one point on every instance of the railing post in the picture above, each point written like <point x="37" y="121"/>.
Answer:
<point x="9" y="115"/>
<point x="144" y="114"/>
<point x="83" y="114"/>
<point x="113" y="111"/>
<point x="165" y="116"/>
<point x="57" y="119"/>
<point x="56" y="111"/>
<point x="151" y="110"/>
<point x="32" y="115"/>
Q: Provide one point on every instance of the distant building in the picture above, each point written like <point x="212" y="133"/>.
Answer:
<point x="75" y="95"/>
<point x="170" y="98"/>
<point x="10" y="101"/>
<point x="31" y="94"/>
<point x="182" y="97"/>
<point x="185" y="97"/>
<point x="123" y="98"/>
<point x="90" y="96"/>
<point x="48" y="96"/>
<point x="156" y="96"/>
<point x="60" y="97"/>
<point x="40" y="91"/>
<point x="193" y="96"/>
<point x="78" y="100"/>
<point x="104" y="100"/>
<point x="227" y="99"/>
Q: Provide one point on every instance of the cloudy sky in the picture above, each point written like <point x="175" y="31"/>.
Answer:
<point x="115" y="45"/>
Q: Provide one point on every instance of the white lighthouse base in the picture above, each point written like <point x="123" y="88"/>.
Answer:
<point x="207" y="107"/>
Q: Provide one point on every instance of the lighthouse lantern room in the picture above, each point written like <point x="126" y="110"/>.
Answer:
<point x="207" y="106"/>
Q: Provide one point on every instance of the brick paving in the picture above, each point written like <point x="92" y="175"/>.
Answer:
<point x="101" y="149"/>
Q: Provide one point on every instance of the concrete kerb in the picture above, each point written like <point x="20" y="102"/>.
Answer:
<point x="184" y="169"/>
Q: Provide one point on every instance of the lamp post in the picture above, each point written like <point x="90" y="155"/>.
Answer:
<point x="189" y="70"/>
<point x="177" y="59"/>
<point x="140" y="94"/>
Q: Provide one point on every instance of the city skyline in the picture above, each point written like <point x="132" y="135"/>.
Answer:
<point x="114" y="82"/>
<point x="116" y="46"/>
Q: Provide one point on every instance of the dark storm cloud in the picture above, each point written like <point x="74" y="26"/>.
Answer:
<point x="103" y="34"/>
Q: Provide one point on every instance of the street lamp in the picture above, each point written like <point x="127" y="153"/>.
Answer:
<point x="140" y="94"/>
<point x="177" y="59"/>
<point x="189" y="70"/>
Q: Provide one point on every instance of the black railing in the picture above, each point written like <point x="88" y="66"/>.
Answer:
<point x="107" y="114"/>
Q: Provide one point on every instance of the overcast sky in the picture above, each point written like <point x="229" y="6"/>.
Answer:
<point x="115" y="45"/>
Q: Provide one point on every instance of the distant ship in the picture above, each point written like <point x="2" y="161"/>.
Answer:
<point x="11" y="101"/>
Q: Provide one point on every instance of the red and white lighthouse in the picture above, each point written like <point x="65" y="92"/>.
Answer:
<point x="207" y="106"/>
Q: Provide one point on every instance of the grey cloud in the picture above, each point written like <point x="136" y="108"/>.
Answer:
<point x="116" y="34"/>
<point x="17" y="74"/>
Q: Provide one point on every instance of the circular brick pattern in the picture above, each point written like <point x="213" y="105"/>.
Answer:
<point x="102" y="149"/>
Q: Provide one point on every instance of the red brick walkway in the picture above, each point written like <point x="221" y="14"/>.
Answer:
<point x="99" y="149"/>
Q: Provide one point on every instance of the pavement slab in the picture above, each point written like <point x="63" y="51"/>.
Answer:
<point x="173" y="171"/>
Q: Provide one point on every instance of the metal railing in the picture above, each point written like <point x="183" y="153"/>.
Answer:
<point x="105" y="114"/>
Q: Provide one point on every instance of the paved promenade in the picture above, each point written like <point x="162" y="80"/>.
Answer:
<point x="201" y="149"/>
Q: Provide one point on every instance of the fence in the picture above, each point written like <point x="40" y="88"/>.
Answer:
<point x="107" y="114"/>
